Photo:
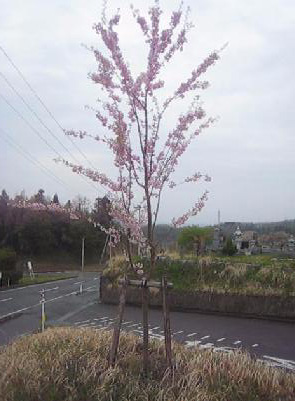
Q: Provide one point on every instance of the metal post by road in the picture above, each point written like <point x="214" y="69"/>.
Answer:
<point x="83" y="253"/>
<point x="42" y="302"/>
<point x="99" y="287"/>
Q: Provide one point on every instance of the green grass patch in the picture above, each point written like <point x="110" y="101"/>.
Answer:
<point x="44" y="278"/>
<point x="252" y="275"/>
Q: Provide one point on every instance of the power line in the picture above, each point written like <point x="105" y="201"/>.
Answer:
<point x="48" y="111"/>
<point x="36" y="115"/>
<point x="44" y="105"/>
<point x="39" y="135"/>
<point x="31" y="158"/>
<point x="30" y="126"/>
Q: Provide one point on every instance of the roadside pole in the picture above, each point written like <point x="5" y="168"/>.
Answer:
<point x="99" y="288"/>
<point x="42" y="301"/>
<point x="83" y="254"/>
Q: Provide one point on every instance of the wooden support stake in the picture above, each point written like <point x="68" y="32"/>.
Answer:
<point x="145" y="306"/>
<point x="167" y="328"/>
<point x="118" y="325"/>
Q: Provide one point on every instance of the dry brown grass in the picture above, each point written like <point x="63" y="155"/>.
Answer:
<point x="69" y="364"/>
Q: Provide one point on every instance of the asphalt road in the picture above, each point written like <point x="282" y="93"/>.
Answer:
<point x="20" y="314"/>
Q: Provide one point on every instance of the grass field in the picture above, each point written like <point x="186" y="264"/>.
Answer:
<point x="70" y="364"/>
<point x="44" y="278"/>
<point x="255" y="275"/>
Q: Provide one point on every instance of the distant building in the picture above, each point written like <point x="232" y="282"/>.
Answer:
<point x="245" y="242"/>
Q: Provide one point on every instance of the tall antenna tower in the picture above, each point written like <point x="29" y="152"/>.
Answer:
<point x="218" y="217"/>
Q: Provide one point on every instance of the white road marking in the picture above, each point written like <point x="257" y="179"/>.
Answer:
<point x="133" y="325"/>
<point x="221" y="339"/>
<point x="207" y="345"/>
<point x="61" y="296"/>
<point x="278" y="362"/>
<point x="192" y="343"/>
<point x="6" y="299"/>
<point x="83" y="321"/>
<point x="90" y="288"/>
<point x="237" y="342"/>
<point x="223" y="349"/>
<point x="192" y="334"/>
<point x="203" y="338"/>
<point x="33" y="306"/>
<point x="155" y="328"/>
<point x="127" y="322"/>
<point x="254" y="345"/>
<point x="51" y="289"/>
<point x="156" y="336"/>
<point x="35" y="285"/>
<point x="137" y="331"/>
<point x="178" y="332"/>
<point x="17" y="311"/>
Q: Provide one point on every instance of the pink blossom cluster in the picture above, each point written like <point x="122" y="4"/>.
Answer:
<point x="197" y="176"/>
<point x="112" y="232"/>
<point x="131" y="118"/>
<point x="192" y="83"/>
<point x="119" y="186"/>
<point x="129" y="221"/>
<point x="51" y="207"/>
<point x="198" y="206"/>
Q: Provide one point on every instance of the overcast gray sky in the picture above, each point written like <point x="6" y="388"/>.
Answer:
<point x="249" y="153"/>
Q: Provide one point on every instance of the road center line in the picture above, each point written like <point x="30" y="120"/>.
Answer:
<point x="5" y="300"/>
<point x="192" y="334"/>
<point x="51" y="289"/>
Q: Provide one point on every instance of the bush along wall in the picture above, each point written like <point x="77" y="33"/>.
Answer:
<point x="8" y="262"/>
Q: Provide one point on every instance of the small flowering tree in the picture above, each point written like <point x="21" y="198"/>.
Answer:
<point x="131" y="117"/>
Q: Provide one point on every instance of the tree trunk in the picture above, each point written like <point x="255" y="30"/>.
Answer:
<point x="118" y="325"/>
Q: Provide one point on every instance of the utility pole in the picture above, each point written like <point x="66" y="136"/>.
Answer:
<point x="83" y="254"/>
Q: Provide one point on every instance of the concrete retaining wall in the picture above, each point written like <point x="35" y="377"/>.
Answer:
<point x="258" y="306"/>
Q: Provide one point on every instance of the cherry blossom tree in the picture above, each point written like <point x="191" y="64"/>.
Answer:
<point x="131" y="112"/>
<point x="131" y="118"/>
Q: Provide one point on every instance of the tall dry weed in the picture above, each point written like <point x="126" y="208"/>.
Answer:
<point x="70" y="364"/>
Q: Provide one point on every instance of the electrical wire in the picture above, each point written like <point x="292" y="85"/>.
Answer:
<point x="31" y="158"/>
<point x="39" y="135"/>
<point x="44" y="105"/>
<point x="48" y="111"/>
<point x="37" y="116"/>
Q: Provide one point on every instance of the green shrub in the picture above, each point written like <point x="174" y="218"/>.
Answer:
<point x="7" y="259"/>
<point x="229" y="248"/>
<point x="13" y="277"/>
